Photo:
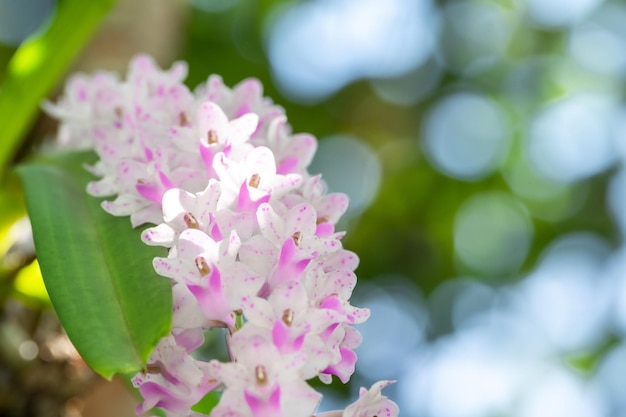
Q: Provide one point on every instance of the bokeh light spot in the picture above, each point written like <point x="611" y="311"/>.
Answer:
<point x="317" y="47"/>
<point x="546" y="199"/>
<point x="473" y="301"/>
<point x="28" y="350"/>
<point x="349" y="166"/>
<point x="617" y="275"/>
<point x="465" y="136"/>
<point x="464" y="46"/>
<point x="557" y="393"/>
<point x="401" y="307"/>
<point x="411" y="87"/>
<point x="609" y="378"/>
<point x="492" y="234"/>
<point x="559" y="13"/>
<point x="566" y="297"/>
<point x="467" y="375"/>
<point x="600" y="42"/>
<point x="30" y="56"/>
<point x="571" y="138"/>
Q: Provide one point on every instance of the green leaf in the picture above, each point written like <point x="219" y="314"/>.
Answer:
<point x="207" y="403"/>
<point x="37" y="65"/>
<point x="97" y="271"/>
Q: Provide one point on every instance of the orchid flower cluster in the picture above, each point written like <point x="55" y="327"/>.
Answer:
<point x="250" y="233"/>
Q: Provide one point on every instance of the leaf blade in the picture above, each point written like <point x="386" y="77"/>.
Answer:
<point x="96" y="269"/>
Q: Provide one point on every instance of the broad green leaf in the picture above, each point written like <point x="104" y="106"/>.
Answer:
<point x="97" y="271"/>
<point x="37" y="65"/>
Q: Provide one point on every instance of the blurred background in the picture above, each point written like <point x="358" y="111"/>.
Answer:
<point x="482" y="145"/>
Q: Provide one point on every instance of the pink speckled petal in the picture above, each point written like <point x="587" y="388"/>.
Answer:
<point x="211" y="117"/>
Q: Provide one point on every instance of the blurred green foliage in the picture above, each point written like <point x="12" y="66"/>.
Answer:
<point x="416" y="205"/>
<point x="37" y="65"/>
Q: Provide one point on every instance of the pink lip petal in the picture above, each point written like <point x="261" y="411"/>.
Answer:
<point x="286" y="339"/>
<point x="290" y="266"/>
<point x="245" y="204"/>
<point x="212" y="299"/>
<point x="269" y="407"/>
